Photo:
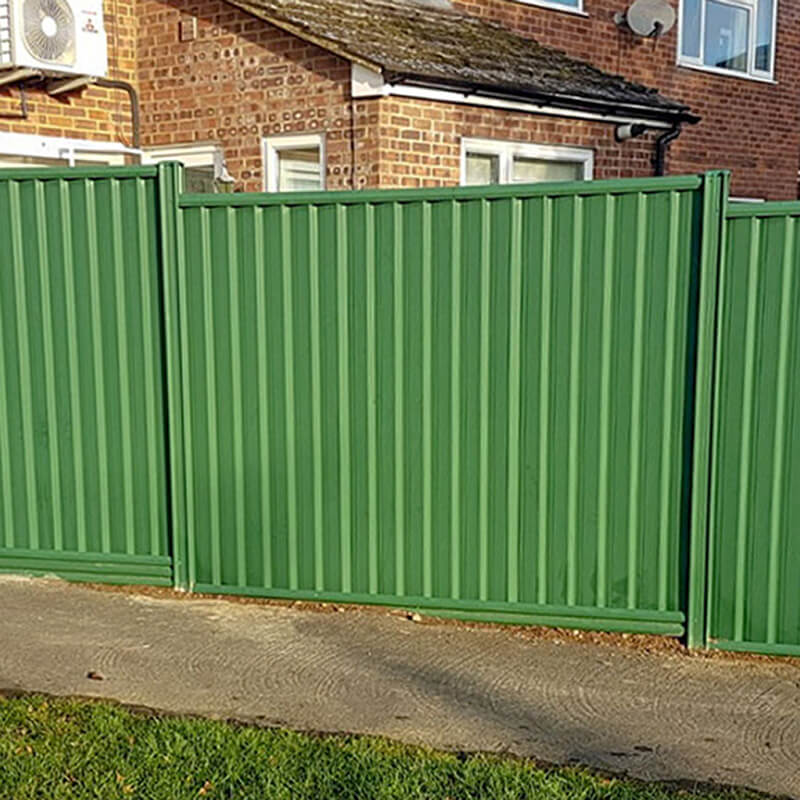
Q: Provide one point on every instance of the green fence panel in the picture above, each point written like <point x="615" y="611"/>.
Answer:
<point x="469" y="400"/>
<point x="82" y="449"/>
<point x="754" y="593"/>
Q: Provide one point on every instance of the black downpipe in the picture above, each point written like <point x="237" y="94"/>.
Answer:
<point x="134" y="99"/>
<point x="662" y="143"/>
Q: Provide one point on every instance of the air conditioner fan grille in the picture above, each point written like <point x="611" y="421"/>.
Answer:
<point x="49" y="30"/>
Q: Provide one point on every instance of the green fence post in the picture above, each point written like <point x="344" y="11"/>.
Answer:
<point x="715" y="199"/>
<point x="170" y="183"/>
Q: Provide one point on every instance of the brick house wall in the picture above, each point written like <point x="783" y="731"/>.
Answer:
<point x="750" y="127"/>
<point x="420" y="141"/>
<point x="94" y="113"/>
<point x="240" y="80"/>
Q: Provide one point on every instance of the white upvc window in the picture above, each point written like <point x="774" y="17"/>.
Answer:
<point x="729" y="36"/>
<point x="573" y="6"/>
<point x="29" y="150"/>
<point x="204" y="168"/>
<point x="493" y="161"/>
<point x="294" y="163"/>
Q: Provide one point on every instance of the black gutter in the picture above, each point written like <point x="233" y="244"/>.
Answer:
<point x="675" y="115"/>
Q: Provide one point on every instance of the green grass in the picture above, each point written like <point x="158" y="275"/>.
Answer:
<point x="76" y="749"/>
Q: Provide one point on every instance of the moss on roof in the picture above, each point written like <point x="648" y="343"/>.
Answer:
<point x="432" y="41"/>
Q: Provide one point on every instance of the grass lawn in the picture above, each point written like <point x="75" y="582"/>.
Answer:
<point x="53" y="749"/>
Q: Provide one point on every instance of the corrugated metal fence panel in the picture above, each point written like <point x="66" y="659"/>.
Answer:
<point x="82" y="454"/>
<point x="464" y="400"/>
<point x="755" y="538"/>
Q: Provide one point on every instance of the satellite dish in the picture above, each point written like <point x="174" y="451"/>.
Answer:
<point x="649" y="17"/>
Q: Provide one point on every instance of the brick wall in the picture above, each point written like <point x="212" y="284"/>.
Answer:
<point x="420" y="141"/>
<point x="93" y="113"/>
<point x="241" y="79"/>
<point x="749" y="127"/>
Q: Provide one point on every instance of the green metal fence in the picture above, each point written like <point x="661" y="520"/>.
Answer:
<point x="570" y="404"/>
<point x="754" y="594"/>
<point x="469" y="400"/>
<point x="82" y="451"/>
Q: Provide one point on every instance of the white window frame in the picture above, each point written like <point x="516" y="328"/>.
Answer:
<point x="272" y="145"/>
<point x="751" y="73"/>
<point x="554" y="5"/>
<point x="506" y="150"/>
<point x="193" y="154"/>
<point x="60" y="148"/>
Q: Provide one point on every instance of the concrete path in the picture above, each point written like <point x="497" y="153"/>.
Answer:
<point x="658" y="715"/>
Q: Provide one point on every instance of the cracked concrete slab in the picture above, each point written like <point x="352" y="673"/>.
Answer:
<point x="653" y="715"/>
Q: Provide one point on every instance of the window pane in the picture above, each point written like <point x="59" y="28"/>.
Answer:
<point x="199" y="179"/>
<point x="12" y="162"/>
<point x="482" y="168"/>
<point x="299" y="170"/>
<point x="89" y="158"/>
<point x="764" y="35"/>
<point x="533" y="170"/>
<point x="726" y="36"/>
<point x="690" y="28"/>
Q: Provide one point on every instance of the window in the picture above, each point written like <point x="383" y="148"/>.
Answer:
<point x="490" y="161"/>
<point x="729" y="36"/>
<point x="28" y="150"/>
<point x="294" y="163"/>
<point x="8" y="161"/>
<point x="576" y="6"/>
<point x="204" y="168"/>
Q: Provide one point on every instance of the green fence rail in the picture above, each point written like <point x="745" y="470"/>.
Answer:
<point x="754" y="595"/>
<point x="498" y="403"/>
<point x="82" y="451"/>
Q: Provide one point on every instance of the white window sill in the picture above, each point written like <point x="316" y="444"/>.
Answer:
<point x="578" y="12"/>
<point x="727" y="73"/>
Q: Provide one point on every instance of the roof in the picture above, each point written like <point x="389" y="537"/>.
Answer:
<point x="430" y="43"/>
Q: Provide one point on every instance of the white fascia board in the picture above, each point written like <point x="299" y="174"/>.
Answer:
<point x="368" y="83"/>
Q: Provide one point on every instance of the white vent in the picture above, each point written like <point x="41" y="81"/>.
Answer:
<point x="5" y="32"/>
<point x="54" y="37"/>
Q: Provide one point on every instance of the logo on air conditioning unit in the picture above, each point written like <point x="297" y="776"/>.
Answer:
<point x="90" y="22"/>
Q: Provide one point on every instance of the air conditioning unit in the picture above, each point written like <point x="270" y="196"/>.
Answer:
<point x="52" y="37"/>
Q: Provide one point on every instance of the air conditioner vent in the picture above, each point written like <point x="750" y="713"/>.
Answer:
<point x="5" y="32"/>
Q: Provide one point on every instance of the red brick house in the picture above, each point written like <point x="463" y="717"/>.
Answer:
<point x="300" y="94"/>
